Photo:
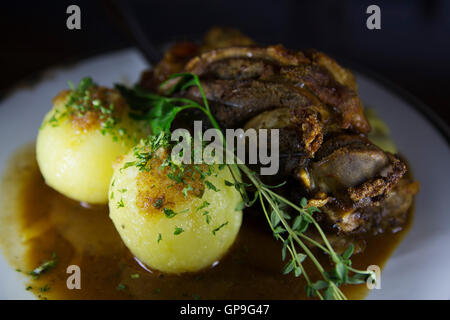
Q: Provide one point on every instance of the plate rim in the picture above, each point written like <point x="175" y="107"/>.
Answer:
<point x="424" y="110"/>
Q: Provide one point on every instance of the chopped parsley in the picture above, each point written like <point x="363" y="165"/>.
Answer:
<point x="82" y="99"/>
<point x="127" y="165"/>
<point x="44" y="267"/>
<point x="228" y="183"/>
<point x="177" y="177"/>
<point x="45" y="288"/>
<point x="240" y="206"/>
<point x="208" y="218"/>
<point x="158" y="290"/>
<point x="178" y="231"/>
<point x="219" y="227"/>
<point x="186" y="190"/>
<point x="211" y="186"/>
<point x="158" y="203"/>
<point x="169" y="213"/>
<point x="203" y="205"/>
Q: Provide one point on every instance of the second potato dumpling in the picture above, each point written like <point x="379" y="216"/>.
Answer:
<point x="174" y="218"/>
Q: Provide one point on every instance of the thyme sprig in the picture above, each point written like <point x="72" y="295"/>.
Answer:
<point x="288" y="228"/>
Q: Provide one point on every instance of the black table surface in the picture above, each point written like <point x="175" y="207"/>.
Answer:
<point x="412" y="49"/>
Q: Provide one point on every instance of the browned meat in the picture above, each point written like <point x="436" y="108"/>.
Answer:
<point x="279" y="118"/>
<point x="348" y="175"/>
<point x="180" y="53"/>
<point x="222" y="37"/>
<point x="351" y="173"/>
<point x="274" y="54"/>
<point x="330" y="92"/>
<point x="340" y="74"/>
<point x="355" y="166"/>
<point x="242" y="82"/>
<point x="314" y="103"/>
<point x="173" y="61"/>
<point x="236" y="101"/>
<point x="389" y="216"/>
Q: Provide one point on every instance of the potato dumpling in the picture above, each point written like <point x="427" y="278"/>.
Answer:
<point x="173" y="219"/>
<point x="80" y="138"/>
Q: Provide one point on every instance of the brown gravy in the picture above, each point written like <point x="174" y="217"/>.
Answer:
<point x="48" y="223"/>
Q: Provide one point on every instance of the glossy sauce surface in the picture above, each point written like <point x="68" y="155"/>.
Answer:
<point x="81" y="235"/>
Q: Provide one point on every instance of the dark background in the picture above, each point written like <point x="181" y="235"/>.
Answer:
<point x="412" y="49"/>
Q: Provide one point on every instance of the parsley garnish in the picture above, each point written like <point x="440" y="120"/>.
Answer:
<point x="81" y="101"/>
<point x="211" y="186"/>
<point x="45" y="288"/>
<point x="203" y="205"/>
<point x="158" y="290"/>
<point x="44" y="267"/>
<point x="158" y="203"/>
<point x="169" y="213"/>
<point x="208" y="218"/>
<point x="219" y="227"/>
<point x="240" y="206"/>
<point x="186" y="190"/>
<point x="177" y="177"/>
<point x="178" y="231"/>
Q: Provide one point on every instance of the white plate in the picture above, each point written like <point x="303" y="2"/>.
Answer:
<point x="419" y="268"/>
